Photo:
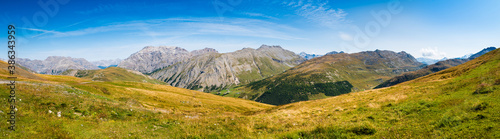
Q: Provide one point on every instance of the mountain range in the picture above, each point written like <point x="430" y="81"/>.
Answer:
<point x="102" y="64"/>
<point x="210" y="70"/>
<point x="441" y="65"/>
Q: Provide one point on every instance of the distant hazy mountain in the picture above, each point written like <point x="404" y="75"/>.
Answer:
<point x="152" y="58"/>
<point x="334" y="52"/>
<point x="482" y="52"/>
<point x="308" y="56"/>
<point x="55" y="65"/>
<point x="441" y="65"/>
<point x="311" y="56"/>
<point x="211" y="70"/>
<point x="430" y="61"/>
<point x="465" y="56"/>
<point x="20" y="71"/>
<point x="102" y="64"/>
<point x="330" y="75"/>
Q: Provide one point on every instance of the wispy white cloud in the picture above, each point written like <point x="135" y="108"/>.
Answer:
<point x="432" y="53"/>
<point x="318" y="12"/>
<point x="180" y="26"/>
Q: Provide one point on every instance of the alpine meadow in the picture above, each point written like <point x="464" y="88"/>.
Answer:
<point x="240" y="69"/>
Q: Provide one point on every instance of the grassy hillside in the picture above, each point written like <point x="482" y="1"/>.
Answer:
<point x="459" y="102"/>
<point x="217" y="71"/>
<point x="329" y="75"/>
<point x="441" y="65"/>
<point x="111" y="74"/>
<point x="112" y="109"/>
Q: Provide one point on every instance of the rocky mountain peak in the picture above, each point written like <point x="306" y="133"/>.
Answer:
<point x="106" y="63"/>
<point x="203" y="51"/>
<point x="56" y="57"/>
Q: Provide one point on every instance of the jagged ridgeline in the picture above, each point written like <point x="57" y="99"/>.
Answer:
<point x="441" y="65"/>
<point x="207" y="70"/>
<point x="457" y="102"/>
<point x="330" y="75"/>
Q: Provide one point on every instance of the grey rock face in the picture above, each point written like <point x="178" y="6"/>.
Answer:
<point x="54" y="65"/>
<point x="212" y="70"/>
<point x="152" y="58"/>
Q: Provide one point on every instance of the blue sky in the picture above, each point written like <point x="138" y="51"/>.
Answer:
<point x="110" y="29"/>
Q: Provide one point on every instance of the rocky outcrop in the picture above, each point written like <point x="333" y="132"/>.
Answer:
<point x="54" y="65"/>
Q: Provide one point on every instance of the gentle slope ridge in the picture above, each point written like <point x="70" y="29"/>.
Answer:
<point x="329" y="75"/>
<point x="214" y="71"/>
